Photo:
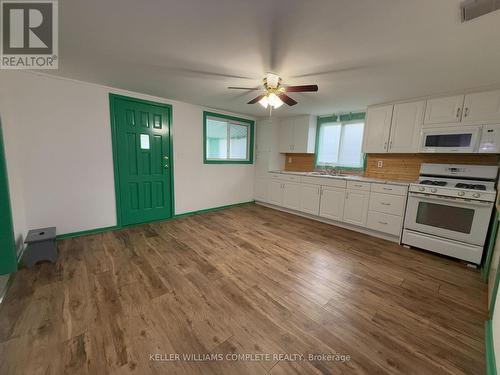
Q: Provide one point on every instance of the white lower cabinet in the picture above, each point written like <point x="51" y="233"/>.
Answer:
<point x="332" y="203"/>
<point x="356" y="207"/>
<point x="378" y="207"/>
<point x="275" y="192"/>
<point x="385" y="223"/>
<point x="309" y="199"/>
<point x="261" y="186"/>
<point x="291" y="195"/>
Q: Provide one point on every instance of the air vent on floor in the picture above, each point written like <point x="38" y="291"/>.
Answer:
<point x="476" y="8"/>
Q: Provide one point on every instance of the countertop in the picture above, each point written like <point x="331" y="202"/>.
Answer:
<point x="348" y="177"/>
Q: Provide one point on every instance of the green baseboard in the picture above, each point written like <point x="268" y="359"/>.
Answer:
<point x="108" y="229"/>
<point x="491" y="367"/>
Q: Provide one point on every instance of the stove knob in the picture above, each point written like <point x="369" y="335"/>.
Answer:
<point x="434" y="190"/>
<point x="461" y="193"/>
<point x="476" y="195"/>
<point x="421" y="188"/>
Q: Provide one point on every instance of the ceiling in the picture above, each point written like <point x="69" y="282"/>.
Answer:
<point x="359" y="52"/>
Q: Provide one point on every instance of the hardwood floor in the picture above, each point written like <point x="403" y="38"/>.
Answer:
<point x="247" y="280"/>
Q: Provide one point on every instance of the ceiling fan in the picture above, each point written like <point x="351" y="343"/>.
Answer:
<point x="275" y="94"/>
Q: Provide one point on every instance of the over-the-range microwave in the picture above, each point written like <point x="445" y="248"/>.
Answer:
<point x="462" y="139"/>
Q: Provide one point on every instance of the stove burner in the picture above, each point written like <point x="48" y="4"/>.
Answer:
<point x="470" y="186"/>
<point x="433" y="182"/>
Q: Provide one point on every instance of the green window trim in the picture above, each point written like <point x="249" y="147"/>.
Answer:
<point x="343" y="118"/>
<point x="248" y="122"/>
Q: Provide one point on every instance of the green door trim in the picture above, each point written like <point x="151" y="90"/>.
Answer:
<point x="491" y="367"/>
<point x="114" y="142"/>
<point x="8" y="261"/>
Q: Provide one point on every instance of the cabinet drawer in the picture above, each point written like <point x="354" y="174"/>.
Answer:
<point x="389" y="189"/>
<point x="325" y="181"/>
<point x="285" y="177"/>
<point x="387" y="203"/>
<point x="385" y="223"/>
<point x="358" y="185"/>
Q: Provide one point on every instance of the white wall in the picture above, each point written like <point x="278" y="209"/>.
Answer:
<point x="59" y="154"/>
<point x="12" y="155"/>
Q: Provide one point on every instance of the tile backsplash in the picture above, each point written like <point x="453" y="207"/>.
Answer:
<point x="403" y="167"/>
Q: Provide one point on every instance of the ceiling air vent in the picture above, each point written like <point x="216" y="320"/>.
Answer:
<point x="476" y="8"/>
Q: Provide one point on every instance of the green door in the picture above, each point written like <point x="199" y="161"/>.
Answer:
<point x="8" y="263"/>
<point x="142" y="159"/>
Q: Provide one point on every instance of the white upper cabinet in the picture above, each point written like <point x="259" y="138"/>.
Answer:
<point x="444" y="110"/>
<point x="405" y="127"/>
<point x="482" y="107"/>
<point x="298" y="134"/>
<point x="377" y="129"/>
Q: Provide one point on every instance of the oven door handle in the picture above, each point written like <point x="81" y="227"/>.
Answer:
<point x="450" y="199"/>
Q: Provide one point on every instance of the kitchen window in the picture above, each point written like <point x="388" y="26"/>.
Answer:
<point x="339" y="142"/>
<point x="227" y="139"/>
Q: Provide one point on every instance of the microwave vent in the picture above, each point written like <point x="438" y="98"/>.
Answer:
<point x="471" y="9"/>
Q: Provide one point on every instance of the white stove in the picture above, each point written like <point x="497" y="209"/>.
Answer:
<point x="450" y="208"/>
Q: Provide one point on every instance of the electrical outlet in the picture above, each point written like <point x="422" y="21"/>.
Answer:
<point x="380" y="164"/>
<point x="290" y="159"/>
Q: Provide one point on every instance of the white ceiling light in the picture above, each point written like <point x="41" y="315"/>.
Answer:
<point x="264" y="102"/>
<point x="271" y="100"/>
<point x="274" y="100"/>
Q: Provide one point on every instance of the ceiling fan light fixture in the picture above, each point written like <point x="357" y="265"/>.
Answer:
<point x="274" y="100"/>
<point x="264" y="102"/>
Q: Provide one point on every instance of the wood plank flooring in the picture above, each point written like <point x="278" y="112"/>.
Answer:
<point x="248" y="280"/>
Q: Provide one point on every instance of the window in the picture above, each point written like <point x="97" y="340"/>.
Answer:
<point x="227" y="139"/>
<point x="339" y="143"/>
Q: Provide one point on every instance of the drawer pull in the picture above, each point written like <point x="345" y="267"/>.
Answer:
<point x="385" y="204"/>
<point x="386" y="188"/>
<point x="383" y="222"/>
<point x="358" y="185"/>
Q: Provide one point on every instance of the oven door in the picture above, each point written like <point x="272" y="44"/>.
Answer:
<point x="454" y="218"/>
<point x="457" y="139"/>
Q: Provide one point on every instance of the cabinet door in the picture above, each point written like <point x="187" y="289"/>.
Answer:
<point x="309" y="199"/>
<point x="356" y="207"/>
<point x="482" y="107"/>
<point x="443" y="110"/>
<point x="405" y="127"/>
<point x="261" y="186"/>
<point x="275" y="192"/>
<point x="332" y="203"/>
<point x="377" y="129"/>
<point x="291" y="195"/>
<point x="286" y="135"/>
<point x="304" y="134"/>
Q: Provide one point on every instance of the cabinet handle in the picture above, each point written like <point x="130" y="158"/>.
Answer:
<point x="386" y="188"/>
<point x="383" y="222"/>
<point x="358" y="185"/>
<point x="458" y="112"/>
<point x="385" y="145"/>
<point x="390" y="144"/>
<point x="385" y="204"/>
<point x="466" y="113"/>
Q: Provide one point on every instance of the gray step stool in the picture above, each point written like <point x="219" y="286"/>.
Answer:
<point x="41" y="246"/>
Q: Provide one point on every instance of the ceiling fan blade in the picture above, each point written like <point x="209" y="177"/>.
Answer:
<point x="255" y="100"/>
<point x="287" y="99"/>
<point x="303" y="88"/>
<point x="243" y="88"/>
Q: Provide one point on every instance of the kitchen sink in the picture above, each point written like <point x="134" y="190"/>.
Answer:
<point x="326" y="174"/>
